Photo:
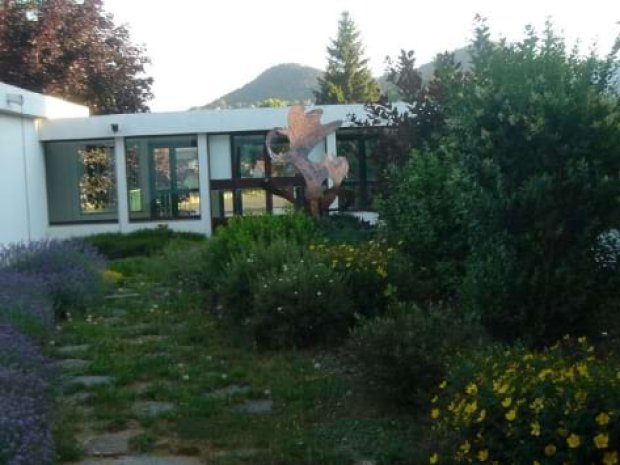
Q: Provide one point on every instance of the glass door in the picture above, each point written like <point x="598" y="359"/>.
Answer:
<point x="175" y="181"/>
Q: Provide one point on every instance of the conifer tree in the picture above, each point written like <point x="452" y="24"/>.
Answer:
<point x="347" y="78"/>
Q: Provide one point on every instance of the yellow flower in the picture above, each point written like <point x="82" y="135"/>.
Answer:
<point x="601" y="440"/>
<point x="434" y="458"/>
<point x="602" y="419"/>
<point x="610" y="458"/>
<point x="471" y="408"/>
<point x="550" y="450"/>
<point x="535" y="429"/>
<point x="582" y="369"/>
<point x="573" y="441"/>
<point x="538" y="404"/>
<point x="535" y="462"/>
<point x="483" y="455"/>
<point x="465" y="447"/>
<point x="471" y="389"/>
<point x="435" y="413"/>
<point x="443" y="385"/>
<point x="581" y="396"/>
<point x="434" y="399"/>
<point x="544" y="374"/>
<point x="481" y="416"/>
<point x="511" y="414"/>
<point x="506" y="402"/>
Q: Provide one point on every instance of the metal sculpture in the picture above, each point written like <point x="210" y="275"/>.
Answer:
<point x="304" y="132"/>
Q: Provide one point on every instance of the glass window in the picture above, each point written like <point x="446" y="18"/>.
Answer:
<point x="81" y="181"/>
<point x="361" y="181"/>
<point x="281" y="206"/>
<point x="249" y="156"/>
<point x="253" y="201"/>
<point x="163" y="178"/>
<point x="222" y="204"/>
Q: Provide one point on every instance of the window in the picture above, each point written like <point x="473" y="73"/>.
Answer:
<point x="256" y="181"/>
<point x="163" y="178"/>
<point x="358" y="148"/>
<point x="81" y="181"/>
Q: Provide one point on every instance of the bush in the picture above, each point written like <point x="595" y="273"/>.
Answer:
<point x="515" y="406"/>
<point x="346" y="228"/>
<point x="25" y="304"/>
<point x="404" y="353"/>
<point x="141" y="243"/>
<point x="364" y="266"/>
<point x="302" y="304"/>
<point x="425" y="211"/>
<point x="25" y="424"/>
<point x="200" y="268"/>
<point x="71" y="270"/>
<point x="537" y="133"/>
<point x="236" y="282"/>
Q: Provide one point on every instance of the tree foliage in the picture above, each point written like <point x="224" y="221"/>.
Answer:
<point x="73" y="50"/>
<point x="532" y="134"/>
<point x="347" y="78"/>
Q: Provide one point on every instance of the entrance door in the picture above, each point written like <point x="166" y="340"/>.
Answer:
<point x="175" y="181"/>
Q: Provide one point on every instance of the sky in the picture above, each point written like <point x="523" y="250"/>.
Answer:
<point x="203" y="49"/>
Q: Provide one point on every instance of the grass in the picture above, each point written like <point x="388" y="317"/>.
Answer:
<point x="171" y="350"/>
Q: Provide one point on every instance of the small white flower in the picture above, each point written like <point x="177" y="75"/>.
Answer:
<point x="185" y="377"/>
<point x="209" y="358"/>
<point x="317" y="365"/>
<point x="52" y="343"/>
<point x="267" y="392"/>
<point x="318" y="293"/>
<point x="224" y="376"/>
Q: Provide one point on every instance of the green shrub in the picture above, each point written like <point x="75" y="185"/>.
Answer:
<point x="145" y="242"/>
<point x="346" y="228"/>
<point x="234" y="288"/>
<point x="425" y="211"/>
<point x="511" y="405"/>
<point x="404" y="353"/>
<point x="303" y="304"/>
<point x="364" y="266"/>
<point x="243" y="231"/>
<point x="538" y="135"/>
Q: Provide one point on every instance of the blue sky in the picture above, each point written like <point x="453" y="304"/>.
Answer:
<point x="203" y="49"/>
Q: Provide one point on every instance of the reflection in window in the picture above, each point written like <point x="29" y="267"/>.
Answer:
<point x="222" y="204"/>
<point x="361" y="180"/>
<point x="250" y="161"/>
<point x="97" y="186"/>
<point x="163" y="179"/>
<point x="81" y="182"/>
<point x="253" y="202"/>
<point x="281" y="206"/>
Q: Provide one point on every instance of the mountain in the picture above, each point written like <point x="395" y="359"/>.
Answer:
<point x="288" y="81"/>
<point x="294" y="83"/>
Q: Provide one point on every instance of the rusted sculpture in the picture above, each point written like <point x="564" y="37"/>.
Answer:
<point x="304" y="132"/>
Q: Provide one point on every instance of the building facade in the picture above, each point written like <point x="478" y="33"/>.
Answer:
<point x="64" y="173"/>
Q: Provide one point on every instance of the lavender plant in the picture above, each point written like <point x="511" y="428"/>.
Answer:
<point x="25" y="423"/>
<point x="71" y="270"/>
<point x="25" y="303"/>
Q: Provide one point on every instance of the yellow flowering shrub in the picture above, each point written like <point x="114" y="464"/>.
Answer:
<point x="112" y="277"/>
<point x="512" y="406"/>
<point x="365" y="267"/>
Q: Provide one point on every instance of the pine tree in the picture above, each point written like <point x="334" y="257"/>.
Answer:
<point x="347" y="78"/>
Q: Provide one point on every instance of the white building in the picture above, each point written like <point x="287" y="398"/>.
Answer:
<point x="64" y="173"/>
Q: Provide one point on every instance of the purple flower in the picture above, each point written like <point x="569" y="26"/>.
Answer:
<point x="71" y="270"/>
<point x="25" y="422"/>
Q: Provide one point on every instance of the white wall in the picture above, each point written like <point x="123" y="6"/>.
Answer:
<point x="220" y="159"/>
<point x="23" y="196"/>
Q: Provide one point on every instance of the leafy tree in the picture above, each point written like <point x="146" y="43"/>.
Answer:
<point x="417" y="120"/>
<point x="272" y="102"/>
<point x="347" y="78"/>
<point x="73" y="50"/>
<point x="519" y="197"/>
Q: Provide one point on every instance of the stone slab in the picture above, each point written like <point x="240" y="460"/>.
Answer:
<point x="109" y="445"/>
<point x="144" y="460"/>
<point x="152" y="408"/>
<point x="90" y="381"/>
<point x="71" y="364"/>
<point x="73" y="348"/>
<point x="228" y="391"/>
<point x="254" y="407"/>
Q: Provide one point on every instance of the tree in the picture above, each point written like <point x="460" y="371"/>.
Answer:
<point x="73" y="50"/>
<point x="347" y="78"/>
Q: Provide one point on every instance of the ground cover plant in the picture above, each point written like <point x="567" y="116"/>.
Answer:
<point x="38" y="281"/>
<point x="511" y="405"/>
